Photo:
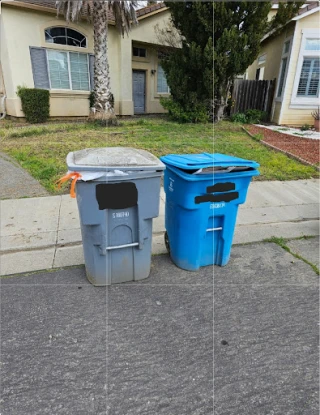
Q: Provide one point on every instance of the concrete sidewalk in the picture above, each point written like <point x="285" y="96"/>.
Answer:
<point x="44" y="233"/>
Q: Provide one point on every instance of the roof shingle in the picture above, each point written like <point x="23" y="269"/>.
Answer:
<point x="51" y="4"/>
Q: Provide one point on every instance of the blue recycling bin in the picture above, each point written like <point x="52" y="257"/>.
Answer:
<point x="203" y="192"/>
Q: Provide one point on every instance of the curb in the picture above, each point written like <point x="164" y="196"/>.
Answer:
<point x="287" y="153"/>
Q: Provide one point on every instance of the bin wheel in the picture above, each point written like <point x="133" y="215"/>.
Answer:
<point x="166" y="241"/>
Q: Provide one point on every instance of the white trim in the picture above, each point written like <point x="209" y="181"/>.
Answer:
<point x="89" y="77"/>
<point x="69" y="71"/>
<point x="304" y="107"/>
<point x="48" y="69"/>
<point x="301" y="16"/>
<point x="303" y="53"/>
<point x="310" y="32"/>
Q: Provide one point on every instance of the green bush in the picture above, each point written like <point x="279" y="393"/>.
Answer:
<point x="198" y="113"/>
<point x="239" y="117"/>
<point x="250" y="117"/>
<point x="305" y="127"/>
<point x="256" y="116"/>
<point x="35" y="104"/>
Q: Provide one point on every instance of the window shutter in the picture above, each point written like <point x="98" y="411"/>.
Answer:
<point x="91" y="70"/>
<point x="39" y="68"/>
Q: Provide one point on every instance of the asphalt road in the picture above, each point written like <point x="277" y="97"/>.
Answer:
<point x="242" y="342"/>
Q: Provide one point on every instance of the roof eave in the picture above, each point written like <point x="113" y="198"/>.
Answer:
<point x="301" y="16"/>
<point x="294" y="19"/>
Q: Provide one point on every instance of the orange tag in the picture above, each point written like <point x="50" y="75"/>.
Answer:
<point x="74" y="176"/>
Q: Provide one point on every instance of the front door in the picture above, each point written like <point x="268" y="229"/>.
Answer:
<point x="139" y="91"/>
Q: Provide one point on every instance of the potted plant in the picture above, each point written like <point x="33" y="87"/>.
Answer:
<point x="316" y="116"/>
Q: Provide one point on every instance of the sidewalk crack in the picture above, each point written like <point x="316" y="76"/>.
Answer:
<point x="57" y="236"/>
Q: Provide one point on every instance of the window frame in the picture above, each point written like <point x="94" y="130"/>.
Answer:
<point x="306" y="102"/>
<point x="69" y="71"/>
<point x="284" y="55"/>
<point x="66" y="37"/>
<point x="138" y="56"/>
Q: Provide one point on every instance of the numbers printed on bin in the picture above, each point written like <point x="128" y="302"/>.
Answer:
<point x="120" y="215"/>
<point x="171" y="184"/>
<point x="217" y="205"/>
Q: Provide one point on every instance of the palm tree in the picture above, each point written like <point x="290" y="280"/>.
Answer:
<point x="97" y="12"/>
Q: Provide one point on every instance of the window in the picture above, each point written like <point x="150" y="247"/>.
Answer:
<point x="309" y="78"/>
<point x="162" y="86"/>
<point x="139" y="52"/>
<point x="257" y="74"/>
<point x="282" y="76"/>
<point x="58" y="69"/>
<point x="68" y="70"/>
<point x="286" y="47"/>
<point x="313" y="44"/>
<point x="305" y="91"/>
<point x="65" y="36"/>
<point x="283" y="68"/>
<point x="262" y="59"/>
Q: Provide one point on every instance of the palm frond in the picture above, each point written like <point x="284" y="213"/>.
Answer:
<point x="72" y="9"/>
<point x="124" y="14"/>
<point x="124" y="11"/>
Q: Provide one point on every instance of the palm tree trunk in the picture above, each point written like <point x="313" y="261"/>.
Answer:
<point x="103" y="98"/>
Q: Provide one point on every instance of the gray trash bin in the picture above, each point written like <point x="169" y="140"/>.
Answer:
<point x="116" y="211"/>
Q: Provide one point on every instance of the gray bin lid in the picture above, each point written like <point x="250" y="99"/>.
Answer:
<point x="110" y="158"/>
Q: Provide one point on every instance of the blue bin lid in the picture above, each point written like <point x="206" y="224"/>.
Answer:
<point x="204" y="160"/>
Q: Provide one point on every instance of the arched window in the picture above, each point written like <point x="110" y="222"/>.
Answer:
<point x="65" y="36"/>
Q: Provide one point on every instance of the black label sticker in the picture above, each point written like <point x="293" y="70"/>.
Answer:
<point x="221" y="187"/>
<point x="222" y="197"/>
<point x="116" y="195"/>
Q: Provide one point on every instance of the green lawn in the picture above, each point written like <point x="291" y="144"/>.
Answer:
<point x="42" y="149"/>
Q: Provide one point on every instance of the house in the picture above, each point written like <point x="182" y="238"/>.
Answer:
<point x="39" y="49"/>
<point x="292" y="58"/>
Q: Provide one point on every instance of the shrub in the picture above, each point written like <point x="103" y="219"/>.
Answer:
<point x="198" y="113"/>
<point x="305" y="127"/>
<point x="239" y="117"/>
<point x="250" y="117"/>
<point x="256" y="116"/>
<point x="35" y="104"/>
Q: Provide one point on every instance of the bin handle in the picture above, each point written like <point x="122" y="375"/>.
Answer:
<point x="214" y="229"/>
<point x="109" y="248"/>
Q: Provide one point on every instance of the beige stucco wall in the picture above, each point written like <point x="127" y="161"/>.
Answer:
<point x="281" y="112"/>
<point x="142" y="35"/>
<point x="273" y="49"/>
<point x="22" y="28"/>
<point x="289" y="115"/>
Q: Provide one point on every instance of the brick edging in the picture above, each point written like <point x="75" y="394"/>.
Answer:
<point x="287" y="153"/>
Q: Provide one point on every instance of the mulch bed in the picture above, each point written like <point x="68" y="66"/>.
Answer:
<point x="304" y="148"/>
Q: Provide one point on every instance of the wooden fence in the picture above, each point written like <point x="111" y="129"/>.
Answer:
<point x="252" y="95"/>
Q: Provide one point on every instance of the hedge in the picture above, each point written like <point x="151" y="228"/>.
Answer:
<point x="35" y="104"/>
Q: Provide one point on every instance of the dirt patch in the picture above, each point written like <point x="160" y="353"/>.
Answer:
<point x="304" y="148"/>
